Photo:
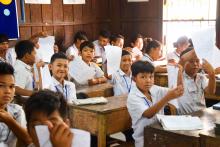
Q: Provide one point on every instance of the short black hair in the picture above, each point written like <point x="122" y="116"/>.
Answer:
<point x="23" y="47"/>
<point x="80" y="35"/>
<point x="58" y="55"/>
<point x="124" y="53"/>
<point x="3" y="38"/>
<point x="105" y="33"/>
<point x="86" y="44"/>
<point x="45" y="101"/>
<point x="114" y="37"/>
<point x="186" y="51"/>
<point x="141" y="67"/>
<point x="149" y="44"/>
<point x="6" y="69"/>
<point x="135" y="37"/>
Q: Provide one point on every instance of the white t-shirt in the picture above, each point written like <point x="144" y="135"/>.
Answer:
<point x="137" y="104"/>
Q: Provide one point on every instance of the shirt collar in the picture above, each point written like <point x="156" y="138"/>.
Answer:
<point x="175" y="52"/>
<point x="121" y="73"/>
<point x="57" y="83"/>
<point x="146" y="55"/>
<point x="28" y="67"/>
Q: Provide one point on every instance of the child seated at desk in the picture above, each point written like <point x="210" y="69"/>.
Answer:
<point x="121" y="79"/>
<point x="87" y="53"/>
<point x="50" y="109"/>
<point x="195" y="83"/>
<point x="145" y="99"/>
<point x="59" y="68"/>
<point x="12" y="118"/>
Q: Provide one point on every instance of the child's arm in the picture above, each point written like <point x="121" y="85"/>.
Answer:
<point x="20" y="132"/>
<point x="210" y="89"/>
<point x="186" y="57"/>
<point x="22" y="92"/>
<point x="95" y="81"/>
<point x="180" y="75"/>
<point x="172" y="94"/>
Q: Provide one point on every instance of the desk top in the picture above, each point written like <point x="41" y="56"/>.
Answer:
<point x="115" y="103"/>
<point x="208" y="117"/>
<point x="93" y="88"/>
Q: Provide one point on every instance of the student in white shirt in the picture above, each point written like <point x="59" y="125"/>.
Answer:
<point x="50" y="109"/>
<point x="152" y="52"/>
<point x="121" y="79"/>
<point x="181" y="44"/>
<point x="12" y="118"/>
<point x="3" y="47"/>
<point x="196" y="83"/>
<point x="24" y="78"/>
<point x="59" y="68"/>
<point x="145" y="99"/>
<point x="137" y="45"/>
<point x="73" y="50"/>
<point x="117" y="40"/>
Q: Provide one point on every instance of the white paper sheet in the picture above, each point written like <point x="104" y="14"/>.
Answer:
<point x="3" y="145"/>
<point x="46" y="48"/>
<point x="80" y="71"/>
<point x="46" y="77"/>
<point x="113" y="56"/>
<point x="204" y="44"/>
<point x="74" y="1"/>
<point x="38" y="1"/>
<point x="81" y="138"/>
<point x="180" y="122"/>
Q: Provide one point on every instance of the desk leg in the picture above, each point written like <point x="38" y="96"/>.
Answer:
<point x="102" y="131"/>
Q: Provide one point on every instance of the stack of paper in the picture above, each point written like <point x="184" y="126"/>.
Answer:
<point x="94" y="100"/>
<point x="180" y="122"/>
<point x="81" y="138"/>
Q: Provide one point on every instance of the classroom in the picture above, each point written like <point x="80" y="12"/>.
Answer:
<point x="109" y="73"/>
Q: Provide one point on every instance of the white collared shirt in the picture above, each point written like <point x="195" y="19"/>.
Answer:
<point x="6" y="135"/>
<point x="147" y="58"/>
<point x="121" y="83"/>
<point x="193" y="97"/>
<point x="136" y="52"/>
<point x="68" y="90"/>
<point x="99" y="51"/>
<point x="72" y="51"/>
<point x="23" y="75"/>
<point x="98" y="72"/>
<point x="137" y="104"/>
<point x="11" y="56"/>
<point x="173" y="55"/>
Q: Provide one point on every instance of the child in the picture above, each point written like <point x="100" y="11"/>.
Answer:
<point x="26" y="53"/>
<point x="73" y="51"/>
<point x="3" y="47"/>
<point x="181" y="44"/>
<point x="87" y="52"/>
<point x="145" y="99"/>
<point x="195" y="84"/>
<point x="137" y="45"/>
<point x="152" y="52"/>
<point x="59" y="68"/>
<point x="117" y="40"/>
<point x="121" y="79"/>
<point x="48" y="108"/>
<point x="12" y="118"/>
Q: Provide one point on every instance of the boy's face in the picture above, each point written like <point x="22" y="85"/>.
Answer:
<point x="138" y="43"/>
<point x="87" y="54"/>
<point x="119" y="42"/>
<point x="30" y="58"/>
<point x="103" y="41"/>
<point x="41" y="118"/>
<point x="3" y="47"/>
<point x="192" y="66"/>
<point x="144" y="81"/>
<point x="7" y="89"/>
<point x="126" y="62"/>
<point x="59" y="68"/>
<point x="157" y="53"/>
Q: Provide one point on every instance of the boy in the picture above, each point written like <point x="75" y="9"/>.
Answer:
<point x="195" y="84"/>
<point x="3" y="47"/>
<point x="73" y="50"/>
<point x="24" y="78"/>
<point x="59" y="68"/>
<point x="48" y="108"/>
<point x="117" y="40"/>
<point x="87" y="52"/>
<point x="121" y="79"/>
<point x="145" y="99"/>
<point x="137" y="45"/>
<point x="12" y="118"/>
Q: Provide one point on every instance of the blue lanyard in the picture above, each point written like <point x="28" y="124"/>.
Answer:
<point x="146" y="101"/>
<point x="128" y="87"/>
<point x="33" y="83"/>
<point x="62" y="92"/>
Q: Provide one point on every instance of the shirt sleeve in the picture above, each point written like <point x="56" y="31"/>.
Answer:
<point x="72" y="93"/>
<point x="205" y="81"/>
<point x="20" y="79"/>
<point x="98" y="72"/>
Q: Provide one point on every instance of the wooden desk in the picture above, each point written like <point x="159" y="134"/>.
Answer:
<point x="105" y="89"/>
<point x="209" y="139"/>
<point x="102" y="119"/>
<point x="156" y="136"/>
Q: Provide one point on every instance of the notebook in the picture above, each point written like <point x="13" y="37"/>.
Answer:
<point x="216" y="106"/>
<point x="94" y="100"/>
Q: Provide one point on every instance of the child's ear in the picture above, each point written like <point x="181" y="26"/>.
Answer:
<point x="50" y="66"/>
<point x="133" y="78"/>
<point x="67" y="121"/>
